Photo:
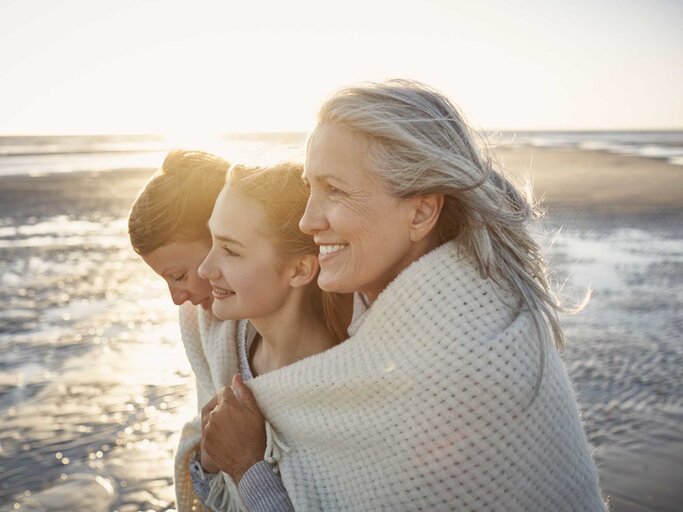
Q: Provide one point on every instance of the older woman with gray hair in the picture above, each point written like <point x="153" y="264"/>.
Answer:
<point x="450" y="393"/>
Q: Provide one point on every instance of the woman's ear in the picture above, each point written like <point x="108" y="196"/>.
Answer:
<point x="426" y="211"/>
<point x="305" y="270"/>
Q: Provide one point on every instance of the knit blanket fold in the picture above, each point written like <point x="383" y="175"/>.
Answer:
<point x="211" y="346"/>
<point x="211" y="349"/>
<point x="426" y="406"/>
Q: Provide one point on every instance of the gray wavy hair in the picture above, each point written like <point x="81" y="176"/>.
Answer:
<point x="419" y="144"/>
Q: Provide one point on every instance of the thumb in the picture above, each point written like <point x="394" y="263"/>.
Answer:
<point x="243" y="393"/>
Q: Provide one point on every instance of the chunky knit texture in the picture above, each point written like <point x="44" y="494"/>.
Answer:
<point x="426" y="407"/>
<point x="210" y="348"/>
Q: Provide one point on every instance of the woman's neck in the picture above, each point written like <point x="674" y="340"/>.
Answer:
<point x="290" y="334"/>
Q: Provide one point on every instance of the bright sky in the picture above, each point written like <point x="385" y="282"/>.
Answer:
<point x="164" y="66"/>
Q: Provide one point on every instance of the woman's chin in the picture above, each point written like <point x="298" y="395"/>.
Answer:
<point x="223" y="313"/>
<point x="333" y="283"/>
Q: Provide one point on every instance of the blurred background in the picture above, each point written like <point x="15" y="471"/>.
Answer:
<point x="583" y="96"/>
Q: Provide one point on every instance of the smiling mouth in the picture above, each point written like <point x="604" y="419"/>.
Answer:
<point x="221" y="293"/>
<point x="331" y="248"/>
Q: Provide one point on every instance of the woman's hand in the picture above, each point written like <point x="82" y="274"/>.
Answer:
<point x="234" y="435"/>
<point x="207" y="464"/>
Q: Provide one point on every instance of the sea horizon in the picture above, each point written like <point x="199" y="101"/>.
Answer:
<point x="46" y="154"/>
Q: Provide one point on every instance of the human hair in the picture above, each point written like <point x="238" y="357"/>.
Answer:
<point x="176" y="203"/>
<point x="419" y="143"/>
<point x="283" y="194"/>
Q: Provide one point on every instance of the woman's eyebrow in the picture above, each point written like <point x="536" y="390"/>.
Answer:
<point x="227" y="239"/>
<point x="174" y="269"/>
<point x="323" y="177"/>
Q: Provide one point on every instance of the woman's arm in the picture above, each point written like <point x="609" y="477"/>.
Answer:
<point x="260" y="488"/>
<point x="263" y="491"/>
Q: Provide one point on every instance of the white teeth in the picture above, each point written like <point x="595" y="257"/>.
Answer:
<point x="329" y="249"/>
<point x="221" y="291"/>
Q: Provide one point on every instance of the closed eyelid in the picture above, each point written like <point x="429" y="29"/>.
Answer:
<point x="228" y="251"/>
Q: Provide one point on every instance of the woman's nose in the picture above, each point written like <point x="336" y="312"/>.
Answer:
<point x="207" y="270"/>
<point x="179" y="295"/>
<point x="313" y="219"/>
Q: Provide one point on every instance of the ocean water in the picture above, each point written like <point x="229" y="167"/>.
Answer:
<point x="38" y="155"/>
<point x="95" y="386"/>
<point x="664" y="145"/>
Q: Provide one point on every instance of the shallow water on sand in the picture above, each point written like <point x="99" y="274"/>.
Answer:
<point x="94" y="385"/>
<point x="625" y="351"/>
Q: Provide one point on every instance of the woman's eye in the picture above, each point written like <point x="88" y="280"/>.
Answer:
<point x="180" y="277"/>
<point x="228" y="251"/>
<point x="333" y="190"/>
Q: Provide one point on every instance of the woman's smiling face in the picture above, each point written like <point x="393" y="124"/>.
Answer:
<point x="363" y="232"/>
<point x="247" y="273"/>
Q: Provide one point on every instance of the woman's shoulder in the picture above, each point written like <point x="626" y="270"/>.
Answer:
<point x="446" y="287"/>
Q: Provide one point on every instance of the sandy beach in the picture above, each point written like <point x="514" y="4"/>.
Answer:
<point x="87" y="423"/>
<point x="597" y="180"/>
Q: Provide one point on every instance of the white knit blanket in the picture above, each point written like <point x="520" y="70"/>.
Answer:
<point x="211" y="347"/>
<point x="425" y="406"/>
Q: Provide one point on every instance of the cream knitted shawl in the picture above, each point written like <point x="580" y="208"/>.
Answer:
<point x="213" y="357"/>
<point x="426" y="406"/>
<point x="211" y="348"/>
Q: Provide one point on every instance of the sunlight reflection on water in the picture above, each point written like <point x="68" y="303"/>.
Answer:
<point x="94" y="383"/>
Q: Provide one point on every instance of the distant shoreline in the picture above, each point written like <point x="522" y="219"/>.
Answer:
<point x="596" y="179"/>
<point x="564" y="178"/>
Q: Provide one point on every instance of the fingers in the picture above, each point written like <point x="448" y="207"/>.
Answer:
<point x="206" y="410"/>
<point x="224" y="406"/>
<point x="225" y="394"/>
<point x="227" y="402"/>
<point x="209" y="406"/>
<point x="244" y="394"/>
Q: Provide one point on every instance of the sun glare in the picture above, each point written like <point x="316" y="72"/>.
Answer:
<point x="209" y="141"/>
